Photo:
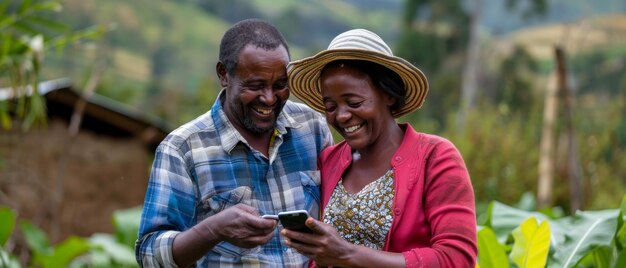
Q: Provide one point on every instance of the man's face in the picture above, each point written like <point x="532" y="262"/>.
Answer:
<point x="257" y="92"/>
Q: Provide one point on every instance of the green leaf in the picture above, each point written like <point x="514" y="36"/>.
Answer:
<point x="620" y="234"/>
<point x="8" y="261"/>
<point x="7" y="223"/>
<point x="585" y="231"/>
<point x="490" y="252"/>
<point x="599" y="257"/>
<point x="621" y="259"/>
<point x="119" y="253"/>
<point x="65" y="252"/>
<point x="49" y="23"/>
<point x="620" y="237"/>
<point x="35" y="238"/>
<point x="24" y="7"/>
<point x="502" y="219"/>
<point x="532" y="244"/>
<point x="47" y="6"/>
<point x="126" y="223"/>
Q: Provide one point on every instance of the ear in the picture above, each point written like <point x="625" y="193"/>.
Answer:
<point x="389" y="100"/>
<point x="220" y="69"/>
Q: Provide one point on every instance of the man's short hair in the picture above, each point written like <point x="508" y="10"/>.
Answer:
<point x="250" y="31"/>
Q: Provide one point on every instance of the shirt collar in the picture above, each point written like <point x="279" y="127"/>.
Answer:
<point x="228" y="134"/>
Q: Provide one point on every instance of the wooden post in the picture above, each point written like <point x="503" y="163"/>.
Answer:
<point x="572" y="164"/>
<point x="546" y="149"/>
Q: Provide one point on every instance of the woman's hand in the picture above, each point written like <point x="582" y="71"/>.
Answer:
<point x="324" y="245"/>
<point x="327" y="248"/>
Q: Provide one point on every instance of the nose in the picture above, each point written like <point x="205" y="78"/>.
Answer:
<point x="268" y="97"/>
<point x="343" y="115"/>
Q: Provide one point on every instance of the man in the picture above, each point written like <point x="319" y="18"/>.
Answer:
<point x="253" y="153"/>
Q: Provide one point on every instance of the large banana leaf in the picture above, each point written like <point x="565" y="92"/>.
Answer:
<point x="532" y="243"/>
<point x="571" y="238"/>
<point x="491" y="254"/>
<point x="583" y="233"/>
<point x="503" y="219"/>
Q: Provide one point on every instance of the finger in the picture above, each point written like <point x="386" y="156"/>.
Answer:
<point x="255" y="240"/>
<point x="248" y="209"/>
<point x="266" y="225"/>
<point x="302" y="247"/>
<point x="315" y="225"/>
<point x="299" y="238"/>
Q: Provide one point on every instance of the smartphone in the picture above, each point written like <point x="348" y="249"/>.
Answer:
<point x="270" y="216"/>
<point x="294" y="220"/>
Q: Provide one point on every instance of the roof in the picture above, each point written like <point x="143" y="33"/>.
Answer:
<point x="102" y="115"/>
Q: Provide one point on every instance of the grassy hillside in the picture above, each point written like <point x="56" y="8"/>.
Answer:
<point x="162" y="53"/>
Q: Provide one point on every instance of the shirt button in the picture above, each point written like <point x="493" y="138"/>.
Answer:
<point x="398" y="158"/>
<point x="285" y="249"/>
<point x="396" y="211"/>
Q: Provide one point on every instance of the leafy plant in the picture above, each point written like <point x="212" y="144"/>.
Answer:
<point x="532" y="243"/>
<point x="7" y="223"/>
<point x="587" y="239"/>
<point x="99" y="250"/>
<point x="25" y="34"/>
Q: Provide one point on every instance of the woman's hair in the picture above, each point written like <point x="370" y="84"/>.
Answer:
<point x="383" y="79"/>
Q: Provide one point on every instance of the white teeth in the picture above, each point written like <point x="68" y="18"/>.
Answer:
<point x="264" y="111"/>
<point x="352" y="128"/>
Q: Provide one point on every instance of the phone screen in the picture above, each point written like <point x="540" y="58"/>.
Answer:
<point x="294" y="220"/>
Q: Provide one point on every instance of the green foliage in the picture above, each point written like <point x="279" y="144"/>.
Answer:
<point x="587" y="239"/>
<point x="26" y="33"/>
<point x="491" y="253"/>
<point x="100" y="250"/>
<point x="126" y="223"/>
<point x="6" y="224"/>
<point x="532" y="243"/>
<point x="46" y="255"/>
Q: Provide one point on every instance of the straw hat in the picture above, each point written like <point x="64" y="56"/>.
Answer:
<point x="357" y="44"/>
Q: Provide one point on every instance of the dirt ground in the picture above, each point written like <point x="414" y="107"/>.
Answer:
<point x="70" y="186"/>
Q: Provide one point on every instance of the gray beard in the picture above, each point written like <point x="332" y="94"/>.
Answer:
<point x="249" y="125"/>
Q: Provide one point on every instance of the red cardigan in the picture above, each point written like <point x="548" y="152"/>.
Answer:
<point x="434" y="219"/>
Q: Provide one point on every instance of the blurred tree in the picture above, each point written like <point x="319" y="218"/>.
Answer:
<point x="514" y="86"/>
<point x="434" y="32"/>
<point x="26" y="33"/>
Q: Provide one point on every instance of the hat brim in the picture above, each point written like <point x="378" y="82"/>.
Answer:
<point x="304" y="77"/>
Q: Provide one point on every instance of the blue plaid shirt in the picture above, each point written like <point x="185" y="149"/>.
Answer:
<point x="206" y="166"/>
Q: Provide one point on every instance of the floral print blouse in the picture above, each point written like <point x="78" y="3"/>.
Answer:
<point x="363" y="218"/>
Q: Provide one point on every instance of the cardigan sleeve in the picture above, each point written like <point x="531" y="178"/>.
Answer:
<point x="449" y="209"/>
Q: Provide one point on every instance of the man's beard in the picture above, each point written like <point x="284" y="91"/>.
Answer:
<point x="252" y="127"/>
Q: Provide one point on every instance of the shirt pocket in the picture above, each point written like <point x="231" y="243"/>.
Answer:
<point x="221" y="201"/>
<point x="213" y="204"/>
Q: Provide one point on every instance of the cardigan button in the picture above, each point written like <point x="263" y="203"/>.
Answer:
<point x="396" y="211"/>
<point x="398" y="158"/>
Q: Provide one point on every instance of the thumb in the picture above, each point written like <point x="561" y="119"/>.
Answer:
<point x="315" y="225"/>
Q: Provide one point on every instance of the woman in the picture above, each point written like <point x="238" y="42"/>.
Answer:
<point x="391" y="197"/>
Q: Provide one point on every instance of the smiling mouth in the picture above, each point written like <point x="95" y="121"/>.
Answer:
<point x="263" y="111"/>
<point x="352" y="128"/>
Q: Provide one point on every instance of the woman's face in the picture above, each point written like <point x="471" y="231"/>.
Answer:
<point x="354" y="107"/>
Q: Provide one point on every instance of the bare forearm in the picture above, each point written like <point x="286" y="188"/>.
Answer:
<point x="191" y="245"/>
<point x="367" y="257"/>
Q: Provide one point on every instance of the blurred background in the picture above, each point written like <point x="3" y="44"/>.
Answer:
<point x="532" y="92"/>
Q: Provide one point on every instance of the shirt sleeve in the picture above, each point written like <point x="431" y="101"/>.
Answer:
<point x="169" y="208"/>
<point x="449" y="207"/>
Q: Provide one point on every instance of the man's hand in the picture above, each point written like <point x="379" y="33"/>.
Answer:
<point x="241" y="225"/>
